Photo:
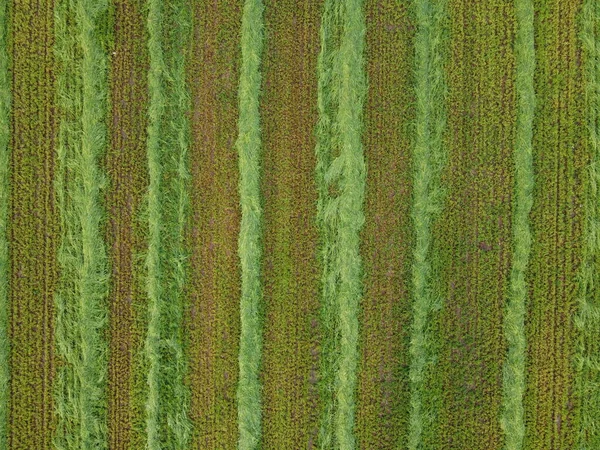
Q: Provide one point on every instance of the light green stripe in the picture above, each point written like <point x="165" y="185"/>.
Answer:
<point x="587" y="321"/>
<point x="249" y="244"/>
<point x="512" y="418"/>
<point x="429" y="158"/>
<point x="4" y="199"/>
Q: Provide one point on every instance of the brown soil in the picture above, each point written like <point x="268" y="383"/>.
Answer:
<point x="33" y="228"/>
<point x="126" y="170"/>
<point x="212" y="324"/>
<point x="290" y="273"/>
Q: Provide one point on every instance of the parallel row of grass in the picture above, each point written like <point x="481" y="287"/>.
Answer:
<point x="212" y="325"/>
<point x="81" y="299"/>
<point x="167" y="401"/>
<point x="4" y="200"/>
<point x="249" y="145"/>
<point x="382" y="395"/>
<point x="429" y="158"/>
<point x="127" y="174"/>
<point x="587" y="321"/>
<point x="288" y="114"/>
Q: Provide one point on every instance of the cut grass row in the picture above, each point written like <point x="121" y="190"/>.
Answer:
<point x="126" y="171"/>
<point x="290" y="369"/>
<point x="167" y="401"/>
<point x="587" y="321"/>
<point x="81" y="299"/>
<point x="214" y="284"/>
<point x="472" y="235"/>
<point x="249" y="149"/>
<point x="429" y="158"/>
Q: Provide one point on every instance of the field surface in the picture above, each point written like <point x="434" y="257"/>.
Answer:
<point x="316" y="224"/>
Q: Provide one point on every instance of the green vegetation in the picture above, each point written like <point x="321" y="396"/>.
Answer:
<point x="429" y="158"/>
<point x="81" y="301"/>
<point x="249" y="247"/>
<point x="4" y="199"/>
<point x="587" y="320"/>
<point x="512" y="418"/>
<point x="167" y="424"/>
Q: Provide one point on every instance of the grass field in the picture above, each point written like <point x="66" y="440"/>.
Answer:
<point x="332" y="224"/>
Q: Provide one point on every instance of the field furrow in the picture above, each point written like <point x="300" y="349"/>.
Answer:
<point x="214" y="283"/>
<point x="382" y="398"/>
<point x="559" y="156"/>
<point x="473" y="241"/>
<point x="33" y="229"/>
<point x="288" y="108"/>
<point x="126" y="169"/>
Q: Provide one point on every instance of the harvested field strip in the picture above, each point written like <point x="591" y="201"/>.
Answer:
<point x="81" y="299"/>
<point x="249" y="148"/>
<point x="126" y="171"/>
<point x="4" y="199"/>
<point x="429" y="158"/>
<point x="587" y="321"/>
<point x="167" y="402"/>
<point x="214" y="284"/>
<point x="512" y="418"/>
<point x="32" y="231"/>
<point x="291" y="363"/>
<point x="471" y="238"/>
<point x="559" y="158"/>
<point x="383" y="395"/>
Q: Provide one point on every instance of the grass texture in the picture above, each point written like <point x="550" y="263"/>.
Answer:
<point x="587" y="321"/>
<point x="81" y="301"/>
<point x="340" y="176"/>
<point x="512" y="416"/>
<point x="4" y="199"/>
<point x="248" y="145"/>
<point x="428" y="161"/>
<point x="167" y="402"/>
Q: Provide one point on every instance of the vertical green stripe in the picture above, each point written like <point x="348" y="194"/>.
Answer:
<point x="249" y="245"/>
<point x="81" y="301"/>
<point x="587" y="320"/>
<point x="167" y="401"/>
<point x="512" y="421"/>
<point x="429" y="157"/>
<point x="4" y="197"/>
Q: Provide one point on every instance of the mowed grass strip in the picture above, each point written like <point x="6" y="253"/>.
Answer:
<point x="512" y="415"/>
<point x="382" y="396"/>
<point x="249" y="147"/>
<point x="587" y="321"/>
<point x="127" y="172"/>
<point x="81" y="301"/>
<point x="167" y="401"/>
<point x="559" y="159"/>
<point x="429" y="157"/>
<point x="214" y="283"/>
<point x="473" y="233"/>
<point x="290" y="370"/>
<point x="33" y="232"/>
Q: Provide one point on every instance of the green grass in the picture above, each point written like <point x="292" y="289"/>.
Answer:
<point x="249" y="245"/>
<point x="428" y="160"/>
<point x="4" y="199"/>
<point x="81" y="301"/>
<point x="587" y="320"/>
<point x="512" y="415"/>
<point x="167" y="402"/>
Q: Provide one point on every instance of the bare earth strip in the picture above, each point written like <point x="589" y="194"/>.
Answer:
<point x="560" y="156"/>
<point x="214" y="279"/>
<point x="126" y="170"/>
<point x="474" y="232"/>
<point x="290" y="274"/>
<point x="383" y="395"/>
<point x="34" y="227"/>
